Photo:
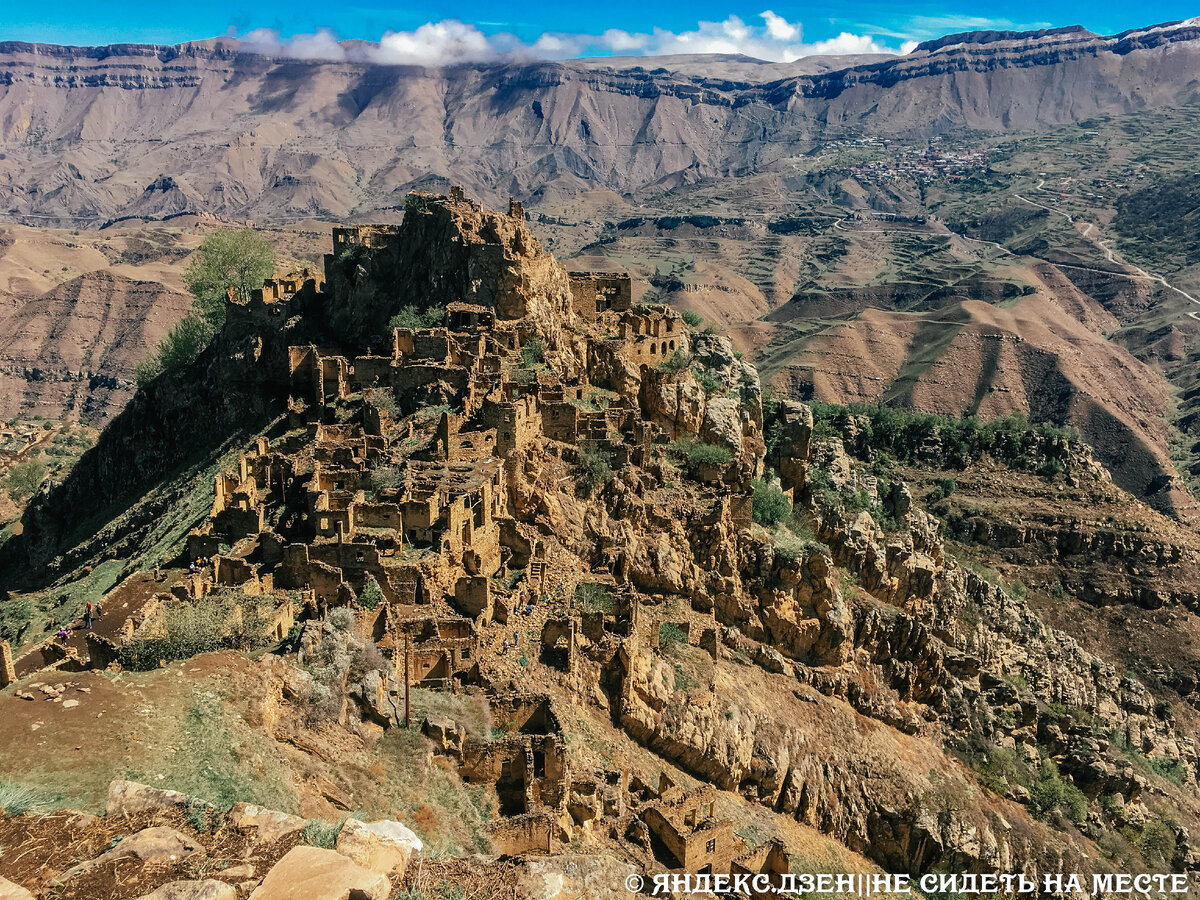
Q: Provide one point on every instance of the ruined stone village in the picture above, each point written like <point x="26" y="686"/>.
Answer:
<point x="539" y="492"/>
<point x="415" y="472"/>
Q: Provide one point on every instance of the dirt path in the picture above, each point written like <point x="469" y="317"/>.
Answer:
<point x="1110" y="254"/>
<point x="125" y="600"/>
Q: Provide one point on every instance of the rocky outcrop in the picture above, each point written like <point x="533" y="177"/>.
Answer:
<point x="387" y="847"/>
<point x="10" y="891"/>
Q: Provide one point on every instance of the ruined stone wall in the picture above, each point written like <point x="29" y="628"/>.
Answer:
<point x="531" y="833"/>
<point x="595" y="293"/>
<point x="8" y="672"/>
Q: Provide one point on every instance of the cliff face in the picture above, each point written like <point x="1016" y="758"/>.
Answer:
<point x="202" y="128"/>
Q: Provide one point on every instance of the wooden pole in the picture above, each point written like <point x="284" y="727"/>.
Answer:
<point x="406" y="689"/>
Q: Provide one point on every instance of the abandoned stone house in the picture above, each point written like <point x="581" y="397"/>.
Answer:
<point x="597" y="293"/>
<point x="685" y="826"/>
<point x="438" y="647"/>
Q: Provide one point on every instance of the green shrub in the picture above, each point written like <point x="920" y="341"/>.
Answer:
<point x="383" y="399"/>
<point x="1050" y="793"/>
<point x="594" y="469"/>
<point x="670" y="636"/>
<point x="225" y="620"/>
<point x="787" y="557"/>
<point x="24" y="479"/>
<point x="386" y="478"/>
<point x="1157" y="842"/>
<point x="372" y="594"/>
<point x="695" y="454"/>
<point x="533" y="352"/>
<point x="692" y="318"/>
<point x="942" y="489"/>
<point x="708" y="381"/>
<point x="592" y="597"/>
<point x="683" y="681"/>
<point x="677" y="363"/>
<point x="416" y="317"/>
<point x="769" y="505"/>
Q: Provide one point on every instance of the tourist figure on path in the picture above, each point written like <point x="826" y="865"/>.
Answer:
<point x="87" y="617"/>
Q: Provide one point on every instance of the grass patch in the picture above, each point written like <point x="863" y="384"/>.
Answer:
<point x="17" y="799"/>
<point x="407" y="783"/>
<point x="671" y="636"/>
<point x="467" y="710"/>
<point x="224" y="761"/>
<point x="224" y="620"/>
<point x="322" y="833"/>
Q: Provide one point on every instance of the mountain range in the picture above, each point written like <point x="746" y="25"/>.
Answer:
<point x="95" y="135"/>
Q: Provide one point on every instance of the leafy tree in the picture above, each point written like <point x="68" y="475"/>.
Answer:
<point x="25" y="478"/>
<point x="691" y="317"/>
<point x="182" y="344"/>
<point x="238" y="259"/>
<point x="533" y="352"/>
<point x="594" y="469"/>
<point x="230" y="258"/>
<point x="677" y="363"/>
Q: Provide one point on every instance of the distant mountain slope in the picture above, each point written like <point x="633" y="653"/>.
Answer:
<point x="129" y="130"/>
<point x="74" y="350"/>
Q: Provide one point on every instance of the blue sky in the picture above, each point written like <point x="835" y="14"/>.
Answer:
<point x="473" y="28"/>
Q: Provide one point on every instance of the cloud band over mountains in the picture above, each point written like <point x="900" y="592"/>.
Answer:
<point x="451" y="41"/>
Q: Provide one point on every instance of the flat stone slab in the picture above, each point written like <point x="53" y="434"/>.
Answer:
<point x="316" y="874"/>
<point x="193" y="890"/>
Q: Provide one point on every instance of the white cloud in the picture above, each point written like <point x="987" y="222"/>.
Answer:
<point x="780" y="28"/>
<point x="435" y="43"/>
<point x="451" y="41"/>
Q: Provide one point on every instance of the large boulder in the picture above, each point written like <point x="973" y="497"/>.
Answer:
<point x="128" y="797"/>
<point x="269" y="825"/>
<point x="385" y="846"/>
<point x="316" y="874"/>
<point x="10" y="891"/>
<point x="723" y="423"/>
<point x="193" y="890"/>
